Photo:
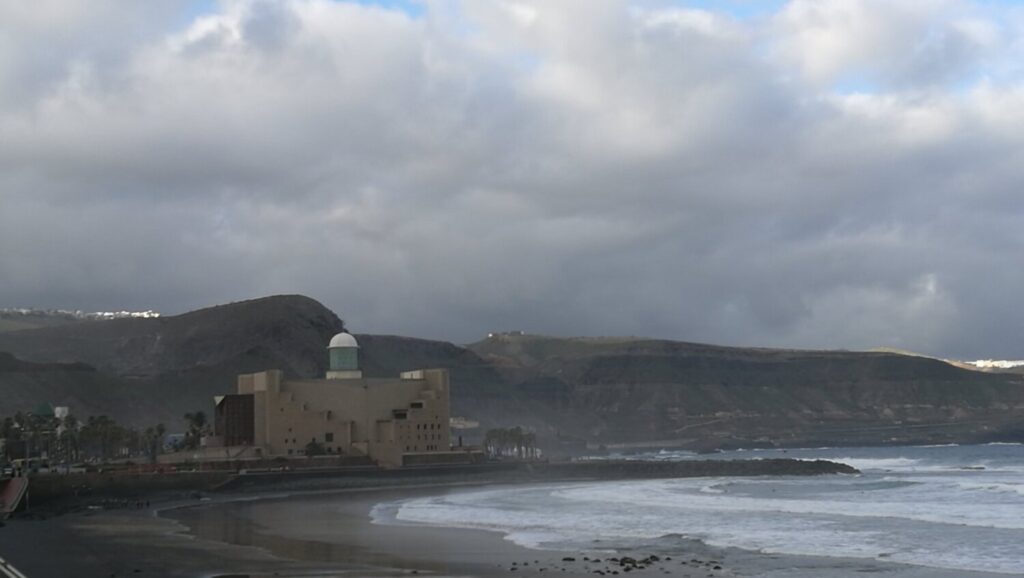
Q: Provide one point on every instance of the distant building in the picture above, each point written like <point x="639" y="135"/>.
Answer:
<point x="393" y="421"/>
<point x="498" y="334"/>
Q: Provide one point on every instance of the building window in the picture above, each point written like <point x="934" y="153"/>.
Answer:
<point x="289" y="452"/>
<point x="416" y="405"/>
<point x="329" y="436"/>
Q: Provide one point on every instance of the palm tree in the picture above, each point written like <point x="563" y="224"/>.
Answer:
<point x="196" y="427"/>
<point x="101" y="433"/>
<point x="512" y="442"/>
<point x="160" y="431"/>
<point x="530" y="444"/>
<point x="69" y="438"/>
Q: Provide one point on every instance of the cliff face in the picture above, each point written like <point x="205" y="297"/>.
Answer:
<point x="600" y="390"/>
<point x="635" y="390"/>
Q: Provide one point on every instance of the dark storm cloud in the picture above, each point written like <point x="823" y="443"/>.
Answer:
<point x="835" y="174"/>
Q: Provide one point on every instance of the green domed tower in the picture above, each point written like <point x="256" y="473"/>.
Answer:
<point x="343" y="352"/>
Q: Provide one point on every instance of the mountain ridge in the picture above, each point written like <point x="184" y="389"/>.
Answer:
<point x="603" y="390"/>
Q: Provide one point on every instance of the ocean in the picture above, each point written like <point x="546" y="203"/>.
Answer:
<point x="954" y="507"/>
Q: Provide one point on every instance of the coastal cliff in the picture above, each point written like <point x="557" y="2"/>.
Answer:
<point x="573" y="392"/>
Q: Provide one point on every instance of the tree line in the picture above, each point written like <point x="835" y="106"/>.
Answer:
<point x="99" y="438"/>
<point x="510" y="443"/>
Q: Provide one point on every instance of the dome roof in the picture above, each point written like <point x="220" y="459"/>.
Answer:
<point x="343" y="340"/>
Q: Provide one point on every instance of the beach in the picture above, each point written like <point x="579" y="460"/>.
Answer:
<point x="332" y="534"/>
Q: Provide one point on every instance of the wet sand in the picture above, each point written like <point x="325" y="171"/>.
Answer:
<point x="336" y="531"/>
<point x="331" y="534"/>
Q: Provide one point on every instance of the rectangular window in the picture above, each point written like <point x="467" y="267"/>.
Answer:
<point x="329" y="436"/>
<point x="416" y="405"/>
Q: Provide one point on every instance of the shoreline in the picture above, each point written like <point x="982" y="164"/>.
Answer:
<point x="328" y="532"/>
<point x="344" y="533"/>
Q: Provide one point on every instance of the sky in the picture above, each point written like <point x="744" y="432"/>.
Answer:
<point x="812" y="174"/>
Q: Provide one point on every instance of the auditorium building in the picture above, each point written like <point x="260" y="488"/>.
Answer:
<point x="394" y="422"/>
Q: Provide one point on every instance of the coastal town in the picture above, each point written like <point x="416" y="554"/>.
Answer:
<point x="269" y="424"/>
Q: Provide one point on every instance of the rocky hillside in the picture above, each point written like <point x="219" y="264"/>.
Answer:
<point x="635" y="390"/>
<point x="570" y="391"/>
<point x="283" y="331"/>
<point x="177" y="362"/>
<point x="25" y="385"/>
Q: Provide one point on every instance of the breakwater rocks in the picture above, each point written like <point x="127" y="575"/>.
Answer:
<point x="619" y="565"/>
<point x="630" y="469"/>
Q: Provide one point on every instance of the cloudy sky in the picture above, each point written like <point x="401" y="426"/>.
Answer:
<point x="827" y="174"/>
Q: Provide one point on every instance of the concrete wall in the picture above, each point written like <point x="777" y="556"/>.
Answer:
<point x="42" y="488"/>
<point x="383" y="418"/>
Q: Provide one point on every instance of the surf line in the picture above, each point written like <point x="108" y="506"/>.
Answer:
<point x="10" y="571"/>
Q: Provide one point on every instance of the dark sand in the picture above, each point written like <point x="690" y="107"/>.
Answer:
<point x="330" y="534"/>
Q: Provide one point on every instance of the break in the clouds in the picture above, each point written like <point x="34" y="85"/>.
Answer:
<point x="838" y="173"/>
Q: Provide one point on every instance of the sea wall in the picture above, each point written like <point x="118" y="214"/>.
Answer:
<point x="129" y="485"/>
<point x="123" y="485"/>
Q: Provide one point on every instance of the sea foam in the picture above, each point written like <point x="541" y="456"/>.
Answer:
<point x="914" y="508"/>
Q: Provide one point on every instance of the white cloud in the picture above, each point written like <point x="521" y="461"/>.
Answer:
<point x="912" y="43"/>
<point x="566" y="167"/>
